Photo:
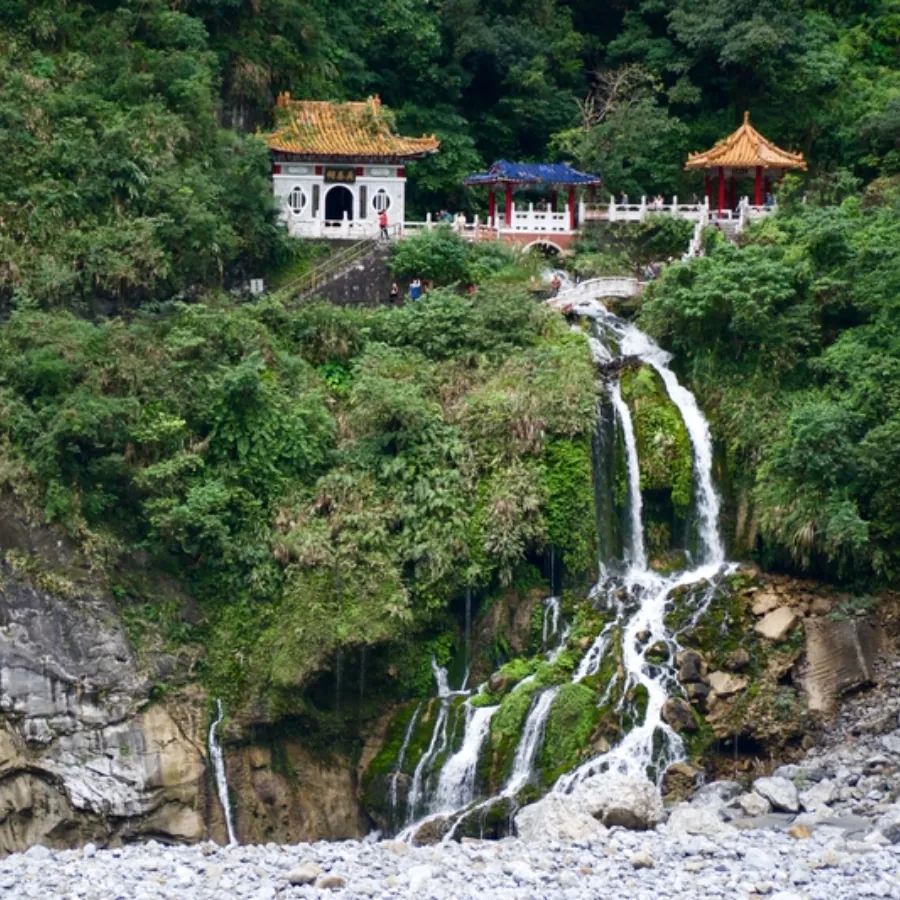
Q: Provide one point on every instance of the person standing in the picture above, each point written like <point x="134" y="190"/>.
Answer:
<point x="415" y="289"/>
<point x="383" y="224"/>
<point x="395" y="293"/>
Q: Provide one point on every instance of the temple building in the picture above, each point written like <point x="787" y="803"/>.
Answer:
<point x="337" y="166"/>
<point x="551" y="179"/>
<point x="744" y="155"/>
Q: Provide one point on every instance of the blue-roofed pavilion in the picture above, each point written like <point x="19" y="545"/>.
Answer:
<point x="512" y="175"/>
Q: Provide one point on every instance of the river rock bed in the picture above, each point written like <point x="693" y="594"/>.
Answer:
<point x="639" y="865"/>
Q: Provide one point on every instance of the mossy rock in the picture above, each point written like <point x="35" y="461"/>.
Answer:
<point x="663" y="444"/>
<point x="570" y="724"/>
<point x="506" y="729"/>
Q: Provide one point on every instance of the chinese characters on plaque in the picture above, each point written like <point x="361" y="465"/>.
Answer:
<point x="340" y="175"/>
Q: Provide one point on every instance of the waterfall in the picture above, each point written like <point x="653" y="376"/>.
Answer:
<point x="217" y="757"/>
<point x="637" y="552"/>
<point x="530" y="742"/>
<point x="456" y="786"/>
<point x="550" y="625"/>
<point x="436" y="745"/>
<point x="401" y="756"/>
<point x="634" y="597"/>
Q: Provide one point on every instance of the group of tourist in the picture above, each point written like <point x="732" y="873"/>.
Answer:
<point x="417" y="288"/>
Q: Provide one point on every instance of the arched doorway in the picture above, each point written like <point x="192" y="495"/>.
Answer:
<point x="338" y="200"/>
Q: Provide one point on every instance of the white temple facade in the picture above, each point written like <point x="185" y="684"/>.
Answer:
<point x="337" y="166"/>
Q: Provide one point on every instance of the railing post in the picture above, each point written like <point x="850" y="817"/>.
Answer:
<point x="580" y="211"/>
<point x="611" y="213"/>
<point x="675" y="205"/>
<point x="428" y="221"/>
<point x="642" y="212"/>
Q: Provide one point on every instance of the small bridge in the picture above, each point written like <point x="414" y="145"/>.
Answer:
<point x="596" y="289"/>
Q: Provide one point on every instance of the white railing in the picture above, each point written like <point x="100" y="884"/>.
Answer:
<point x="596" y="288"/>
<point x="637" y="212"/>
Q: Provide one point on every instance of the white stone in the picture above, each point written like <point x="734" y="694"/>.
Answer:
<point x="642" y="860"/>
<point x="780" y="792"/>
<point x="776" y="625"/>
<point x="557" y="817"/>
<point x="725" y="684"/>
<point x="305" y="874"/>
<point x="754" y="805"/>
<point x="706" y="820"/>
<point x="625" y="800"/>
<point x="419" y="877"/>
<point x="819" y="796"/>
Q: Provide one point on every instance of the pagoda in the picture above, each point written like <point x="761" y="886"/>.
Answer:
<point x="744" y="154"/>
<point x="337" y="166"/>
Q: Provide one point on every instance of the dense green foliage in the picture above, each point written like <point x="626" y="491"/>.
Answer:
<point x="322" y="478"/>
<point x="793" y="341"/>
<point x="120" y="184"/>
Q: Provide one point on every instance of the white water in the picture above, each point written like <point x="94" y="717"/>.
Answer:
<point x="218" y="760"/>
<point x="637" y="554"/>
<point x="401" y="756"/>
<point x="456" y="786"/>
<point x="550" y="627"/>
<point x="530" y="742"/>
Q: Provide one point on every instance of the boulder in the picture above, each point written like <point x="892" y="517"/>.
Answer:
<point x="737" y="660"/>
<point x="726" y="684"/>
<point x="764" y="603"/>
<point x="690" y="666"/>
<point x="820" y="606"/>
<point x="305" y="874"/>
<point x="626" y="800"/>
<point x="754" y="805"/>
<point x="686" y="819"/>
<point x="800" y="832"/>
<point x="819" y="796"/>
<point x="717" y="792"/>
<point x="776" y="625"/>
<point x="557" y="817"/>
<point x="331" y="882"/>
<point x="642" y="860"/>
<point x="679" y="781"/>
<point x="780" y="792"/>
<point x="697" y="692"/>
<point x="678" y="713"/>
<point x="840" y="658"/>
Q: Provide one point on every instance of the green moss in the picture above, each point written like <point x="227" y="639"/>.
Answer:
<point x="569" y="509"/>
<point x="664" y="447"/>
<point x="572" y="719"/>
<point x="506" y="729"/>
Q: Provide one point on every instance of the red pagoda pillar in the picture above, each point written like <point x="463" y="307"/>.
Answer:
<point x="721" y="188"/>
<point x="492" y="204"/>
<point x="509" y="204"/>
<point x="571" y="207"/>
<point x="757" y="187"/>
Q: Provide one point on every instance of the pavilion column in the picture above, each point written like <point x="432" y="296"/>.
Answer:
<point x="492" y="204"/>
<point x="509" y="205"/>
<point x="553" y="200"/>
<point x="757" y="192"/>
<point x="571" y="207"/>
<point x="721" y="188"/>
<point x="708" y="185"/>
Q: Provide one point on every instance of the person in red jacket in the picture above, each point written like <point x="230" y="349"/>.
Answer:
<point x="383" y="224"/>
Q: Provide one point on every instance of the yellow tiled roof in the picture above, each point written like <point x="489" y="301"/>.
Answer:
<point x="746" y="148"/>
<point x="325" y="130"/>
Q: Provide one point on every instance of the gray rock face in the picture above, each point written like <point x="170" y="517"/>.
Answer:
<point x="621" y="800"/>
<point x="717" y="792"/>
<point x="840" y="657"/>
<point x="81" y="758"/>
<point x="726" y="684"/>
<point x="678" y="713"/>
<point x="780" y="792"/>
<point x="819" y="796"/>
<point x="557" y="817"/>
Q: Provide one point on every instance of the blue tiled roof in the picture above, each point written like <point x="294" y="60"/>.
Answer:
<point x="531" y="173"/>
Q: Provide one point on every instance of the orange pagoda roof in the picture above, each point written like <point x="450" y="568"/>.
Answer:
<point x="745" y="149"/>
<point x="319" y="129"/>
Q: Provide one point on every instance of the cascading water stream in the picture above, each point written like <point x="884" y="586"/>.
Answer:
<point x="530" y="742"/>
<point x="217" y="757"/>
<point x="638" y="555"/>
<point x="456" y="785"/>
<point x="401" y="756"/>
